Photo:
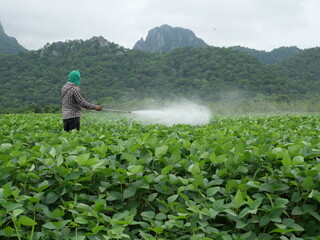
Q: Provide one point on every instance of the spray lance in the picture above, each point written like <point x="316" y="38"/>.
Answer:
<point x="114" y="110"/>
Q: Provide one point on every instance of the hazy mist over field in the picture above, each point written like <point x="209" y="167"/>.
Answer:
<point x="178" y="112"/>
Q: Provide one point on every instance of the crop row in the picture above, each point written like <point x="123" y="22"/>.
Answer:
<point x="245" y="177"/>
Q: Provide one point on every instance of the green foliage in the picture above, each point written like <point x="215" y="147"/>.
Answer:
<point x="275" y="56"/>
<point x="114" y="75"/>
<point x="303" y="66"/>
<point x="242" y="177"/>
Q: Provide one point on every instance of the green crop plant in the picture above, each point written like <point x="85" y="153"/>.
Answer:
<point x="239" y="177"/>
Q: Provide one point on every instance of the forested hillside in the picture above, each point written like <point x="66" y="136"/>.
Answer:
<point x="275" y="56"/>
<point x="113" y="74"/>
<point x="304" y="66"/>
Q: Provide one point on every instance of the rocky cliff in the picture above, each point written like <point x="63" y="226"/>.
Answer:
<point x="166" y="38"/>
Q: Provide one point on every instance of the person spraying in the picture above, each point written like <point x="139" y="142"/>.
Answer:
<point x="73" y="102"/>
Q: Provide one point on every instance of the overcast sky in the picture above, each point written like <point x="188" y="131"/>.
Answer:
<point x="259" y="24"/>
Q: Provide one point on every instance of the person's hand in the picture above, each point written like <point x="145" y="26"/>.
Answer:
<point x="97" y="108"/>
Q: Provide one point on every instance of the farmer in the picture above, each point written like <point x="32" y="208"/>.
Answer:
<point x="73" y="102"/>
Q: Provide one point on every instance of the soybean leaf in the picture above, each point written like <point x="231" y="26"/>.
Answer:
<point x="160" y="151"/>
<point x="83" y="159"/>
<point x="129" y="192"/>
<point x="148" y="214"/>
<point x="172" y="198"/>
<point x="8" y="231"/>
<point x="11" y="205"/>
<point x="238" y="199"/>
<point x="212" y="191"/>
<point x="24" y="220"/>
<point x="113" y="196"/>
<point x="307" y="183"/>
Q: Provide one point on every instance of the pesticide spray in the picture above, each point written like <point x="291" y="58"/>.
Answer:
<point x="183" y="112"/>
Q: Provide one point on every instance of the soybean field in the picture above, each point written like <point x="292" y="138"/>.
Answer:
<point x="246" y="177"/>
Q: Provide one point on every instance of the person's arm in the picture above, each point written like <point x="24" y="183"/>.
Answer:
<point x="83" y="103"/>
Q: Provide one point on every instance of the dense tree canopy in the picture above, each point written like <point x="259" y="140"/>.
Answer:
<point x="111" y="73"/>
<point x="274" y="56"/>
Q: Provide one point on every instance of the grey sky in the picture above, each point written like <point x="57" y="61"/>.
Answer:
<point x="259" y="24"/>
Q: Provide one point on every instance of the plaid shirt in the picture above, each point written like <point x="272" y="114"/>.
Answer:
<point x="72" y="101"/>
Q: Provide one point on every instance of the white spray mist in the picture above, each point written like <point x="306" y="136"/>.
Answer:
<point x="182" y="112"/>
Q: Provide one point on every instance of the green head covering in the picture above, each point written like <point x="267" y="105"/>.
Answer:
<point x="74" y="77"/>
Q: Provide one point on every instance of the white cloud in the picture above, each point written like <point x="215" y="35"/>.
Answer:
<point x="256" y="24"/>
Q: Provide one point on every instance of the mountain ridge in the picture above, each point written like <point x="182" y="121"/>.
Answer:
<point x="114" y="75"/>
<point x="166" y="38"/>
<point x="9" y="45"/>
<point x="269" y="57"/>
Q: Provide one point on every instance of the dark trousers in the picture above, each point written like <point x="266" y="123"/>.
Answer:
<point x="71" y="123"/>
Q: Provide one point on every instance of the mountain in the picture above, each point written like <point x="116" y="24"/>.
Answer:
<point x="274" y="56"/>
<point x="113" y="75"/>
<point x="9" y="45"/>
<point x="96" y="46"/>
<point x="166" y="38"/>
<point x="303" y="66"/>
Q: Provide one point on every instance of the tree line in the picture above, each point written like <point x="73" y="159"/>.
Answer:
<point x="113" y="75"/>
